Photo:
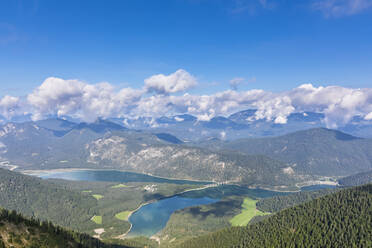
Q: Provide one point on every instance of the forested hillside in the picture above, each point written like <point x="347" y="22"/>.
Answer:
<point x="75" y="204"/>
<point x="44" y="200"/>
<point x="280" y="202"/>
<point x="342" y="219"/>
<point x="18" y="232"/>
<point x="357" y="179"/>
<point x="319" y="151"/>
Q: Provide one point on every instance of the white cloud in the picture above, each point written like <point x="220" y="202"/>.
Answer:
<point x="56" y="96"/>
<point x="368" y="117"/>
<point x="339" y="104"/>
<point x="277" y="109"/>
<point x="9" y="106"/>
<point x="178" y="81"/>
<point x="61" y="97"/>
<point x="340" y="8"/>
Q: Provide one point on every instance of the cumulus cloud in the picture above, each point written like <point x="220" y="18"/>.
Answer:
<point x="339" y="104"/>
<point x="78" y="99"/>
<point x="56" y="96"/>
<point x="339" y="8"/>
<point x="9" y="106"/>
<point x="277" y="109"/>
<point x="178" y="81"/>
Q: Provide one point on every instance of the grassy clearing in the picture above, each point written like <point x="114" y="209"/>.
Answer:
<point x="248" y="212"/>
<point x="86" y="191"/>
<point x="122" y="215"/>
<point x="97" y="219"/>
<point x="98" y="197"/>
<point x="118" y="186"/>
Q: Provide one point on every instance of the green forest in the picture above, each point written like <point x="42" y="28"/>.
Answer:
<point x="342" y="219"/>
<point x="357" y="179"/>
<point x="72" y="204"/>
<point x="18" y="231"/>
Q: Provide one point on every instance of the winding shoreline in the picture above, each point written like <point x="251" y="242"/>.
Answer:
<point x="204" y="185"/>
<point x="123" y="236"/>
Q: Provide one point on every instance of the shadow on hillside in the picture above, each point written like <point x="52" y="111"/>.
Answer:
<point x="218" y="209"/>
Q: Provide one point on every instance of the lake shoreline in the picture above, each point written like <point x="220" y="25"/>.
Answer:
<point x="204" y="185"/>
<point x="298" y="185"/>
<point x="58" y="170"/>
<point x="123" y="236"/>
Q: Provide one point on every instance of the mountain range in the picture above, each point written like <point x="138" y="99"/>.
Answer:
<point x="318" y="151"/>
<point x="241" y="124"/>
<point x="105" y="145"/>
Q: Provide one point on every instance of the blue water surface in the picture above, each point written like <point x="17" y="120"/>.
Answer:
<point x="152" y="218"/>
<point x="111" y="176"/>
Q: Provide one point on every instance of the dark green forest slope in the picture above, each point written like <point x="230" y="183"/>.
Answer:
<point x="342" y="219"/>
<point x="44" y="200"/>
<point x="17" y="231"/>
<point x="276" y="203"/>
<point x="357" y="179"/>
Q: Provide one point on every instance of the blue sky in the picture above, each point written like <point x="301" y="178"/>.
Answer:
<point x="273" y="45"/>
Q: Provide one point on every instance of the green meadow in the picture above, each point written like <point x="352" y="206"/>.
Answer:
<point x="249" y="211"/>
<point x="97" y="196"/>
<point x="97" y="219"/>
<point x="123" y="215"/>
<point x="118" y="186"/>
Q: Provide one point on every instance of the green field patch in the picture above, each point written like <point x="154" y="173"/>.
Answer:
<point x="118" y="186"/>
<point x="98" y="197"/>
<point x="97" y="219"/>
<point x="123" y="215"/>
<point x="86" y="191"/>
<point x="248" y="212"/>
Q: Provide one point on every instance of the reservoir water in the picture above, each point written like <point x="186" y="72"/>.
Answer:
<point x="110" y="176"/>
<point x="152" y="218"/>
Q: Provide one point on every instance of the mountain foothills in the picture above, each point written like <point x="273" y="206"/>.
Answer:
<point x="104" y="145"/>
<point x="342" y="219"/>
<point x="273" y="162"/>
<point x="45" y="200"/>
<point x="316" y="151"/>
<point x="357" y="179"/>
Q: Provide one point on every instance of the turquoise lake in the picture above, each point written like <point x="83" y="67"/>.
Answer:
<point x="110" y="176"/>
<point x="153" y="217"/>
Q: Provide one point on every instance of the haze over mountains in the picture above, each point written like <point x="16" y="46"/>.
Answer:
<point x="280" y="161"/>
<point x="241" y="124"/>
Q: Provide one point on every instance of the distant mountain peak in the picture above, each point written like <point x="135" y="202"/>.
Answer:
<point x="100" y="126"/>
